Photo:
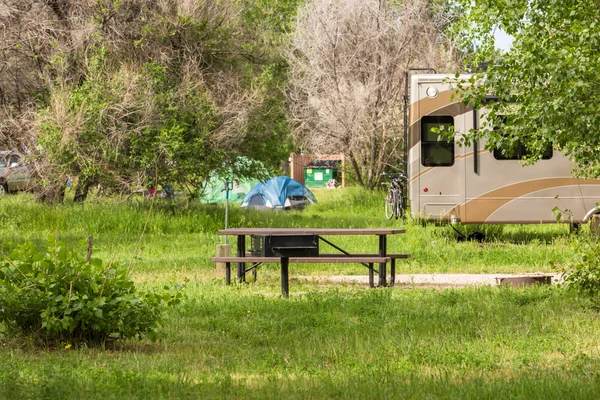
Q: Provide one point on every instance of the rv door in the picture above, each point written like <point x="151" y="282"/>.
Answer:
<point x="437" y="161"/>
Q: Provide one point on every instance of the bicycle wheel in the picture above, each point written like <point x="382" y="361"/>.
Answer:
<point x="399" y="204"/>
<point x="389" y="204"/>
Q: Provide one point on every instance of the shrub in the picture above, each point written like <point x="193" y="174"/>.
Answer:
<point x="58" y="295"/>
<point x="583" y="272"/>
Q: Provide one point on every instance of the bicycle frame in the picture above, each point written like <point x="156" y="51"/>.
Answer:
<point x="395" y="197"/>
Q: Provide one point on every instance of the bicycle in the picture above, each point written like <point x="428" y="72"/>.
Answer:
<point x="394" y="202"/>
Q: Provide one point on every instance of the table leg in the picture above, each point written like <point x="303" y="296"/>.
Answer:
<point x="392" y="271"/>
<point x="228" y="273"/>
<point x="241" y="252"/>
<point x="285" y="286"/>
<point x="371" y="275"/>
<point x="382" y="253"/>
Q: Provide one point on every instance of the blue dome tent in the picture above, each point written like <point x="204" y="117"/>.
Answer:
<point x="278" y="193"/>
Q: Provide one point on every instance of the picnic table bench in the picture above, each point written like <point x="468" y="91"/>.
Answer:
<point x="305" y="254"/>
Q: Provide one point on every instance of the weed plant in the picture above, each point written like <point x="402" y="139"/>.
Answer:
<point x="58" y="295"/>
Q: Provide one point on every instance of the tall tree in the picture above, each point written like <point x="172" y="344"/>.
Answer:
<point x="134" y="91"/>
<point x="547" y="84"/>
<point x="347" y="63"/>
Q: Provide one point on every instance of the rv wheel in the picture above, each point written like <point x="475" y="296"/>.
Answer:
<point x="574" y="227"/>
<point x="3" y="189"/>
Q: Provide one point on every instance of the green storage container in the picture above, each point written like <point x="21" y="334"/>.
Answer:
<point x="317" y="177"/>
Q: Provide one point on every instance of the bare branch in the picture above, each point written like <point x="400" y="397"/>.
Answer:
<point x="347" y="61"/>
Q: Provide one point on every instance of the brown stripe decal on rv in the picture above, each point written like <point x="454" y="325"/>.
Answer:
<point x="441" y="105"/>
<point x="478" y="210"/>
<point x="427" y="105"/>
<point x="420" y="174"/>
<point x="428" y="169"/>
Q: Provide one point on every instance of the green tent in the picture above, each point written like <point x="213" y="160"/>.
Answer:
<point x="214" y="193"/>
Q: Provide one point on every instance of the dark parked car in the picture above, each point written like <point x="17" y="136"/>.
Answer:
<point x="14" y="173"/>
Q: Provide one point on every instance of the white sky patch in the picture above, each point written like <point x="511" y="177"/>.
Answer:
<point x="502" y="40"/>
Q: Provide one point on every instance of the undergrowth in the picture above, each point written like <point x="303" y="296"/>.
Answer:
<point x="59" y="295"/>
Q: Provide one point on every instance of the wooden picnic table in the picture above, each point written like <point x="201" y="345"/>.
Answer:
<point x="379" y="256"/>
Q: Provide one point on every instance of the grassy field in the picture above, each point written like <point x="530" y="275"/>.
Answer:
<point x="327" y="340"/>
<point x="184" y="238"/>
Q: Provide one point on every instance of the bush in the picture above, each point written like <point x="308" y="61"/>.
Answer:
<point x="60" y="296"/>
<point x="583" y="272"/>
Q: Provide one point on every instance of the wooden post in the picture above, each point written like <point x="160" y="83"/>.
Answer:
<point x="89" y="249"/>
<point x="223" y="250"/>
<point x="343" y="170"/>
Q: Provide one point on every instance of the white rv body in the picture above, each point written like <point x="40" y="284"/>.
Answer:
<point x="473" y="185"/>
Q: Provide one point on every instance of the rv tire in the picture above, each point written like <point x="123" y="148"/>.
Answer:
<point x="574" y="227"/>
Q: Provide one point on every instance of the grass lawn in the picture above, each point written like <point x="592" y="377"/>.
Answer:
<point x="327" y="340"/>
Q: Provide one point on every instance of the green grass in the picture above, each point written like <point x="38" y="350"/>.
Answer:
<point x="184" y="238"/>
<point x="334" y="342"/>
<point x="326" y="340"/>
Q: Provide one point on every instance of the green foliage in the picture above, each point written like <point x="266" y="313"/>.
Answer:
<point x="268" y="21"/>
<point x="184" y="89"/>
<point x="60" y="296"/>
<point x="546" y="83"/>
<point x="546" y="86"/>
<point x="268" y="130"/>
<point x="582" y="273"/>
<point x="177" y="147"/>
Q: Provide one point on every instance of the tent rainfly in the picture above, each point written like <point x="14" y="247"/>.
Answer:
<point x="279" y="193"/>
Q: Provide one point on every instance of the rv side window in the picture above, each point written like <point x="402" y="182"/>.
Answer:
<point x="436" y="151"/>
<point x="520" y="152"/>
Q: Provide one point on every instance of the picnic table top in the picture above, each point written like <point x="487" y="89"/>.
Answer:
<point x="308" y="231"/>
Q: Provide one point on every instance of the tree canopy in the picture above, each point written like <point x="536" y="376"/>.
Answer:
<point x="130" y="93"/>
<point x="547" y="84"/>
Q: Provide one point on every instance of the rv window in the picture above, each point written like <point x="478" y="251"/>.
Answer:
<point x="436" y="151"/>
<point x="520" y="152"/>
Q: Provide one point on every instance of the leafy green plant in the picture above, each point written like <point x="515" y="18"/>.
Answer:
<point x="536" y="106"/>
<point x="582" y="273"/>
<point x="60" y="295"/>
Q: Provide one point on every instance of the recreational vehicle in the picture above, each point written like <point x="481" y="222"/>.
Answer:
<point x="474" y="186"/>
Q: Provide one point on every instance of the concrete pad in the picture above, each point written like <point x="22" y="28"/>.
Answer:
<point x="444" y="280"/>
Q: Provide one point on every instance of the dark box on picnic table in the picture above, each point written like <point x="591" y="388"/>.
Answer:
<point x="284" y="245"/>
